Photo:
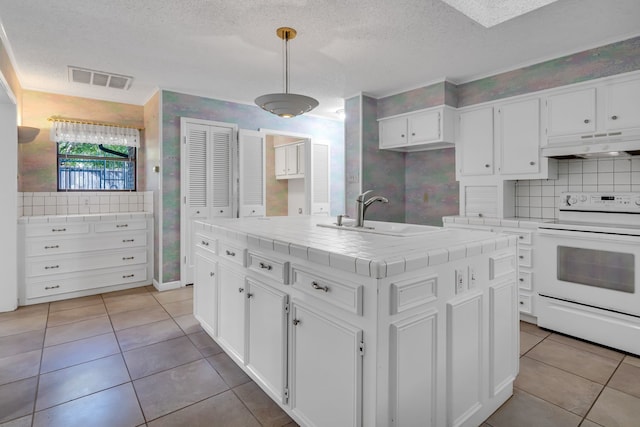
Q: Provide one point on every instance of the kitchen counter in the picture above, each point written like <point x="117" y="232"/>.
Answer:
<point x="367" y="254"/>
<point x="57" y="219"/>
<point x="514" y="222"/>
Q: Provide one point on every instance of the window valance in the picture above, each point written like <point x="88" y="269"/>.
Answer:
<point x="63" y="130"/>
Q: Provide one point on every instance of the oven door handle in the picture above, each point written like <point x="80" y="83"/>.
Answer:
<point x="589" y="235"/>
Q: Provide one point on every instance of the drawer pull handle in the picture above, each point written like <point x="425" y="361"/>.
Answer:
<point x="240" y="290"/>
<point x="205" y="243"/>
<point x="58" y="229"/>
<point x="52" y="247"/>
<point x="520" y="237"/>
<point x="521" y="279"/>
<point x="265" y="266"/>
<point x="127" y="258"/>
<point x="521" y="256"/>
<point x="121" y="225"/>
<point x="46" y="288"/>
<point x="212" y="274"/>
<point x="126" y="276"/>
<point x="296" y="322"/>
<point x="317" y="287"/>
<point x="249" y="295"/>
<point x="521" y="302"/>
<point x="48" y="267"/>
<point x="230" y="253"/>
<point x="128" y="240"/>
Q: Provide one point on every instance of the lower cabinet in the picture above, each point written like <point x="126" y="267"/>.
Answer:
<point x="326" y="369"/>
<point x="205" y="293"/>
<point x="231" y="312"/>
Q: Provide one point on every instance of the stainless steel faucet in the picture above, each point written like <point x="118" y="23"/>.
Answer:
<point x="362" y="205"/>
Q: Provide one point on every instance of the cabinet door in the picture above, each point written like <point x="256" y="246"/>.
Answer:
<point x="231" y="313"/>
<point x="267" y="341"/>
<point x="301" y="158"/>
<point x="503" y="336"/>
<point x="424" y="127"/>
<point x="475" y="142"/>
<point x="251" y="170"/>
<point x="571" y="113"/>
<point x="326" y="369"/>
<point x="292" y="159"/>
<point x="220" y="172"/>
<point x="205" y="292"/>
<point x="623" y="109"/>
<point x="281" y="161"/>
<point x="519" y="130"/>
<point x="393" y="132"/>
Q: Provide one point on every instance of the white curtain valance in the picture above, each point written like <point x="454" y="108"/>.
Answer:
<point x="65" y="131"/>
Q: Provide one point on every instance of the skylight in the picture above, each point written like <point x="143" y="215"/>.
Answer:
<point x="493" y="12"/>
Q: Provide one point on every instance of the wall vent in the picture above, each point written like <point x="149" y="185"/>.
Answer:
<point x="99" y="78"/>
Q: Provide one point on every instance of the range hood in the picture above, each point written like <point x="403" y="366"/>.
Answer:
<point x="606" y="147"/>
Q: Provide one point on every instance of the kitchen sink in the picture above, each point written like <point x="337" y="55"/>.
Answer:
<point x="386" y="228"/>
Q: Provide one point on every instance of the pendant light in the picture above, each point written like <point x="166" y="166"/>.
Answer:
<point x="286" y="104"/>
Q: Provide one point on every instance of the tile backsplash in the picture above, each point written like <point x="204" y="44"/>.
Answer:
<point x="539" y="198"/>
<point x="85" y="202"/>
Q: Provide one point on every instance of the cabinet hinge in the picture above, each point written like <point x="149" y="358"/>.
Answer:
<point x="286" y="394"/>
<point x="286" y="308"/>
<point x="361" y="348"/>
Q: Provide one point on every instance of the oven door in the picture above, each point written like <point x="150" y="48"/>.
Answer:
<point x="593" y="269"/>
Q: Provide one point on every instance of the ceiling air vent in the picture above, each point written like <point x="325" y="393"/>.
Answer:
<point x="99" y="78"/>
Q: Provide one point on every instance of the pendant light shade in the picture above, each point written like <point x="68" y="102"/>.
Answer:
<point x="286" y="104"/>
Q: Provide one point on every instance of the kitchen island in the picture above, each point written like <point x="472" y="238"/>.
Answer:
<point x="390" y="326"/>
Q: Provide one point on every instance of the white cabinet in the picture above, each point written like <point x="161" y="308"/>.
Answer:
<point x="290" y="161"/>
<point x="571" y="112"/>
<point x="518" y="133"/>
<point x="252" y="173"/>
<point x="231" y="310"/>
<point x="205" y="293"/>
<point x="63" y="259"/>
<point x="474" y="142"/>
<point x="623" y="105"/>
<point x="319" y="186"/>
<point x="425" y="130"/>
<point x="326" y="369"/>
<point x="267" y="315"/>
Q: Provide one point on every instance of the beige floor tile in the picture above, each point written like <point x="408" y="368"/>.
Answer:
<point x="129" y="319"/>
<point x="584" y="363"/>
<point x="261" y="406"/>
<point x="116" y="406"/>
<point x="532" y="329"/>
<point x="130" y="302"/>
<point x="24" y="311"/>
<point x="205" y="344"/>
<point x="176" y="388"/>
<point x="20" y="366"/>
<point x="627" y="380"/>
<point x="528" y="341"/>
<point x="228" y="370"/>
<point x="615" y="408"/>
<point x="76" y="315"/>
<point x="179" y="308"/>
<point x="80" y="351"/>
<point x="159" y="357"/>
<point x="17" y="399"/>
<point x="525" y="410"/>
<point x="226" y="409"/>
<point x="632" y="360"/>
<point x="188" y="323"/>
<point x="19" y="324"/>
<point x="132" y="291"/>
<point x="151" y="333"/>
<point x="174" y="295"/>
<point x="587" y="346"/>
<point x="569" y="391"/>
<point x="587" y="423"/>
<point x="80" y="380"/>
<point x="21" y="343"/>
<point x="77" y="330"/>
<point x="20" y="422"/>
<point x="68" y="304"/>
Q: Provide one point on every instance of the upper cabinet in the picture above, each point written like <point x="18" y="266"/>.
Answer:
<point x="594" y="113"/>
<point x="518" y="133"/>
<point x="424" y="130"/>
<point x="474" y="142"/>
<point x="290" y="161"/>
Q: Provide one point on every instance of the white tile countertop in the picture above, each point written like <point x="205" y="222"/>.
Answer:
<point x="515" y="222"/>
<point x="52" y="219"/>
<point x="366" y="254"/>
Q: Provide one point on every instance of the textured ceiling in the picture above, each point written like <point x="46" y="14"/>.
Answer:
<point x="227" y="49"/>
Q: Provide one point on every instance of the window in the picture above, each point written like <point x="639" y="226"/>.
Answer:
<point x="96" y="167"/>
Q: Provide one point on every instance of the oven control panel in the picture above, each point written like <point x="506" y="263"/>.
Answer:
<point x="600" y="202"/>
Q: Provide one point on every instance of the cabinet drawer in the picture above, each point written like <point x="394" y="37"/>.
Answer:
<point x="206" y="243"/>
<point x="106" y="227"/>
<point x="409" y="294"/>
<point x="525" y="280"/>
<point x="71" y="263"/>
<point x="276" y="270"/>
<point x="62" y="229"/>
<point x="43" y="246"/>
<point x="524" y="257"/>
<point x="233" y="253"/>
<point x="524" y="237"/>
<point x="525" y="303"/>
<point x="82" y="281"/>
<point x="344" y="295"/>
<point x="501" y="265"/>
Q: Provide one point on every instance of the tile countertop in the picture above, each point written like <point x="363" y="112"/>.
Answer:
<point x="365" y="254"/>
<point x="515" y="222"/>
<point x="57" y="219"/>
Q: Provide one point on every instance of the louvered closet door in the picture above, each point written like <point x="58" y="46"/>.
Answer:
<point x="251" y="171"/>
<point x="197" y="149"/>
<point x="320" y="184"/>
<point x="220" y="172"/>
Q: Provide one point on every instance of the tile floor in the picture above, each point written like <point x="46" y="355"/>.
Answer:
<point x="139" y="358"/>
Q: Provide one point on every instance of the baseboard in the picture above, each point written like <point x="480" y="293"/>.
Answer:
<point x="166" y="286"/>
